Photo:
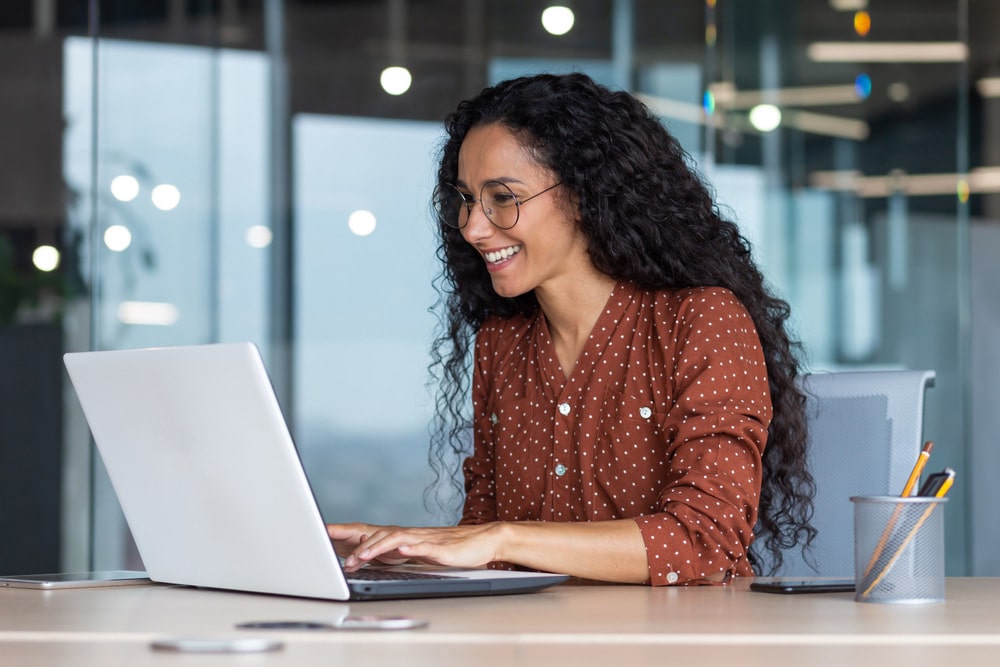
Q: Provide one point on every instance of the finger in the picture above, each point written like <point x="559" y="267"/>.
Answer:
<point x="376" y="544"/>
<point x="382" y="546"/>
<point x="344" y="531"/>
<point x="392" y="561"/>
<point x="424" y="552"/>
<point x="423" y="546"/>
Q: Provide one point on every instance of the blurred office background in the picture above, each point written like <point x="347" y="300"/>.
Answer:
<point x="191" y="171"/>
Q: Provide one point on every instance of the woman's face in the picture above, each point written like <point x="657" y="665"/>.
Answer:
<point x="545" y="247"/>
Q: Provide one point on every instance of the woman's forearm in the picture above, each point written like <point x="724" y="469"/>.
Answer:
<point x="602" y="550"/>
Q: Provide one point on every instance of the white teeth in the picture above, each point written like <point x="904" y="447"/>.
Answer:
<point x="500" y="255"/>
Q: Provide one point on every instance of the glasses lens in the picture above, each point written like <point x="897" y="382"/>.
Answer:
<point x="454" y="205"/>
<point x="500" y="204"/>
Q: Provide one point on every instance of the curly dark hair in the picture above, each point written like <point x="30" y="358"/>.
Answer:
<point x="649" y="220"/>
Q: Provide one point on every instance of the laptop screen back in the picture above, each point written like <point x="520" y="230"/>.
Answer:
<point x="205" y="470"/>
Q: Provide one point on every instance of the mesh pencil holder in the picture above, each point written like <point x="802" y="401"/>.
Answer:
<point x="899" y="549"/>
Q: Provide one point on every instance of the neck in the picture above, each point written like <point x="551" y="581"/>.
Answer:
<point x="571" y="311"/>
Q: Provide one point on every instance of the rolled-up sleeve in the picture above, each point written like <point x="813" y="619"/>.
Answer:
<point x="718" y="429"/>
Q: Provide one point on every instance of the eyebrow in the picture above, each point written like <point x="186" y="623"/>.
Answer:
<point x="506" y="180"/>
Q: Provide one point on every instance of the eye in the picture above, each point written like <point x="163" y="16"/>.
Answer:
<point x="498" y="195"/>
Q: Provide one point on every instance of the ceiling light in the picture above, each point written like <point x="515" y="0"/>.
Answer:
<point x="45" y="258"/>
<point x="989" y="86"/>
<point x="827" y="125"/>
<point x="980" y="180"/>
<point x="848" y="5"/>
<point x="898" y="91"/>
<point x="802" y="96"/>
<point x="396" y="80"/>
<point x="684" y="111"/>
<point x="558" y="20"/>
<point x="804" y="121"/>
<point x="888" y="52"/>
<point x="765" y="117"/>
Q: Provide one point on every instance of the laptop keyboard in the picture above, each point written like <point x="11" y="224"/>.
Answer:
<point x="374" y="574"/>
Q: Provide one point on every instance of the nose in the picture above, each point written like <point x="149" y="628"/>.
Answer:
<point x="478" y="226"/>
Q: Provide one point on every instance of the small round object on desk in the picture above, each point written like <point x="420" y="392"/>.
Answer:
<point x="217" y="645"/>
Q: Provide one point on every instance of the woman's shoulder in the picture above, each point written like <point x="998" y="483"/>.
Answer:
<point x="699" y="299"/>
<point x="693" y="307"/>
<point x="505" y="328"/>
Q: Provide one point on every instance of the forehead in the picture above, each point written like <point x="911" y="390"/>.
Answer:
<point x="491" y="152"/>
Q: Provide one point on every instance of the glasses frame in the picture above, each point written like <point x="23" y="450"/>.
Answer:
<point x="468" y="201"/>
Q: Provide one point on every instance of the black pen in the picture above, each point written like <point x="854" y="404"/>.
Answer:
<point x="933" y="484"/>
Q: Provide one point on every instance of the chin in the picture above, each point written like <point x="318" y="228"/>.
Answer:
<point x="506" y="290"/>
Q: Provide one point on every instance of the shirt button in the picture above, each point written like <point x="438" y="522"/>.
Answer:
<point x="645" y="412"/>
<point x="560" y="470"/>
<point x="493" y="418"/>
<point x="564" y="408"/>
<point x="672" y="577"/>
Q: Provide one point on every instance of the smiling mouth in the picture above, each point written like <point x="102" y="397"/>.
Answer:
<point x="502" y="255"/>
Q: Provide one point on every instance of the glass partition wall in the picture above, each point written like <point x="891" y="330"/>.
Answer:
<point x="252" y="171"/>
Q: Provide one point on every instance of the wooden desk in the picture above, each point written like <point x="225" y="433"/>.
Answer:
<point x="569" y="624"/>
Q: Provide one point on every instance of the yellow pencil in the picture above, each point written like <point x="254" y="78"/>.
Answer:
<point x="918" y="468"/>
<point x="911" y="482"/>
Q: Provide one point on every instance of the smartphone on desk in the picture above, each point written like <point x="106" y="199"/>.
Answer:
<point x="803" y="586"/>
<point x="57" y="580"/>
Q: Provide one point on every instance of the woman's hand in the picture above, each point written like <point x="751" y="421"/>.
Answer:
<point x="458" y="546"/>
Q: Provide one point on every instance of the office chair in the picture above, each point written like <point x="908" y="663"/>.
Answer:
<point x="865" y="432"/>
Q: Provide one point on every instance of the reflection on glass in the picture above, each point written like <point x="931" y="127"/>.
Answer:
<point x="708" y="102"/>
<point x="863" y="86"/>
<point x="258" y="236"/>
<point x="361" y="223"/>
<point x="362" y="403"/>
<point x="166" y="197"/>
<point x="862" y="23"/>
<point x="124" y="187"/>
<point x="146" y="312"/>
<point x="117" y="238"/>
<point x="898" y="91"/>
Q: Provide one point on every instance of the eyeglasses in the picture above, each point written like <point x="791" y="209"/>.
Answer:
<point x="501" y="206"/>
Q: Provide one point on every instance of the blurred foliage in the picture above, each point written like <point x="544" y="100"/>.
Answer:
<point x="25" y="289"/>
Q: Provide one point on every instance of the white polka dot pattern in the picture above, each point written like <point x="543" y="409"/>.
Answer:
<point x="663" y="420"/>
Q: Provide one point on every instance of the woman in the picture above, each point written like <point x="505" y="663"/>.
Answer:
<point x="629" y="364"/>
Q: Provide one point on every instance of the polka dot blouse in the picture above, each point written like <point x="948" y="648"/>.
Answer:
<point x="663" y="420"/>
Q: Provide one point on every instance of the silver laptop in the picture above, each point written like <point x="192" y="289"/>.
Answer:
<point x="212" y="487"/>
